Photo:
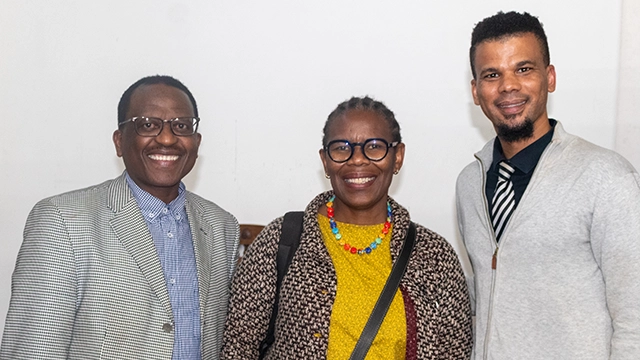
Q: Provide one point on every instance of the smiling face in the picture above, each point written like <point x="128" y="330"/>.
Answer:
<point x="512" y="86"/>
<point x="157" y="164"/>
<point x="361" y="185"/>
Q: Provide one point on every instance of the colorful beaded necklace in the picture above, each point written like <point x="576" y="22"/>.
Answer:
<point x="352" y="249"/>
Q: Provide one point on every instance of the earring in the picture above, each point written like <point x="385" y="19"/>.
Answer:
<point x="327" y="176"/>
<point x="395" y="172"/>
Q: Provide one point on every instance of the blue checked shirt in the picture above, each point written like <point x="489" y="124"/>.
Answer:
<point x="171" y="235"/>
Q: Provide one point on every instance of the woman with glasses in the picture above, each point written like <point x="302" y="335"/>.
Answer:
<point x="351" y="237"/>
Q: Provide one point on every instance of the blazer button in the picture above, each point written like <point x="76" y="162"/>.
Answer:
<point x="167" y="327"/>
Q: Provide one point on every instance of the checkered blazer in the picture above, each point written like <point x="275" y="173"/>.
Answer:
<point x="88" y="283"/>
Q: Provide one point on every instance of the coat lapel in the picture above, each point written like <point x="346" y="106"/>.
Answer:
<point x="201" y="233"/>
<point x="131" y="228"/>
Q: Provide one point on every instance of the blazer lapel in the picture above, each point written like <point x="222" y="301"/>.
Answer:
<point x="131" y="228"/>
<point x="201" y="233"/>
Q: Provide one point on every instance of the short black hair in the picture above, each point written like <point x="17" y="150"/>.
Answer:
<point x="125" y="100"/>
<point x="503" y="25"/>
<point x="368" y="104"/>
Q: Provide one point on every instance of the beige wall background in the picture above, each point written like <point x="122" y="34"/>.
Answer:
<point x="266" y="75"/>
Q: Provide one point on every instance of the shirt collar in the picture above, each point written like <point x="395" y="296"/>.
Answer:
<point x="527" y="159"/>
<point x="152" y="207"/>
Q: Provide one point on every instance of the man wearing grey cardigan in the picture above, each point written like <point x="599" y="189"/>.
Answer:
<point x="551" y="222"/>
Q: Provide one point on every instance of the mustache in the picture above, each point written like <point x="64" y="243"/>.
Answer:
<point x="509" y="99"/>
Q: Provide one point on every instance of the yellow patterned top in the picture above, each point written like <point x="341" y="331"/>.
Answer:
<point x="360" y="282"/>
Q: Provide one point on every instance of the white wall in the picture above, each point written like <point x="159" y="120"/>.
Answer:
<point x="266" y="74"/>
<point x="628" y="119"/>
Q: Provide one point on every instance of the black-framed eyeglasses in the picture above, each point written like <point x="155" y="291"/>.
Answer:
<point x="373" y="149"/>
<point x="151" y="126"/>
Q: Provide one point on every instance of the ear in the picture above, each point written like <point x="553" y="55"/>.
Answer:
<point x="117" y="141"/>
<point x="474" y="92"/>
<point x="323" y="158"/>
<point x="399" y="157"/>
<point x="551" y="78"/>
<point x="198" y="141"/>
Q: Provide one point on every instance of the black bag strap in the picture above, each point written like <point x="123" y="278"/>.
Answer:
<point x="386" y="296"/>
<point x="289" y="241"/>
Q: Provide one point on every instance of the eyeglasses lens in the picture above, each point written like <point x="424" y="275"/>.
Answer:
<point x="375" y="149"/>
<point x="340" y="151"/>
<point x="183" y="126"/>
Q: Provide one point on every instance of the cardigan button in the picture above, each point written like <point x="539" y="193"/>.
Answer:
<point x="167" y="327"/>
<point x="317" y="335"/>
<point x="324" y="291"/>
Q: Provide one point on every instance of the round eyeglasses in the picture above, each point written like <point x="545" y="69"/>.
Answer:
<point x="151" y="126"/>
<point x="373" y="149"/>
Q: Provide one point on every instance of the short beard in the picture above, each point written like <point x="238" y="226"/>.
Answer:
<point x="516" y="133"/>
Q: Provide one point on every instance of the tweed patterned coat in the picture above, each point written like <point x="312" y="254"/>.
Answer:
<point x="88" y="283"/>
<point x="433" y="287"/>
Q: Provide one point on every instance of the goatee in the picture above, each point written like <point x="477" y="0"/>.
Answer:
<point x="516" y="133"/>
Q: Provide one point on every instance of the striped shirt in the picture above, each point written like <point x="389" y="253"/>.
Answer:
<point x="171" y="235"/>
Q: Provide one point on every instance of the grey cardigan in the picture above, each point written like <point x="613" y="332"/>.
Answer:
<point x="567" y="278"/>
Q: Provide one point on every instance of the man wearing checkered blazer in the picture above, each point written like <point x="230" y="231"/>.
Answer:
<point x="133" y="268"/>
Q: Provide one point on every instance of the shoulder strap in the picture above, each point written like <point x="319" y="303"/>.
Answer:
<point x="384" y="301"/>
<point x="287" y="246"/>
